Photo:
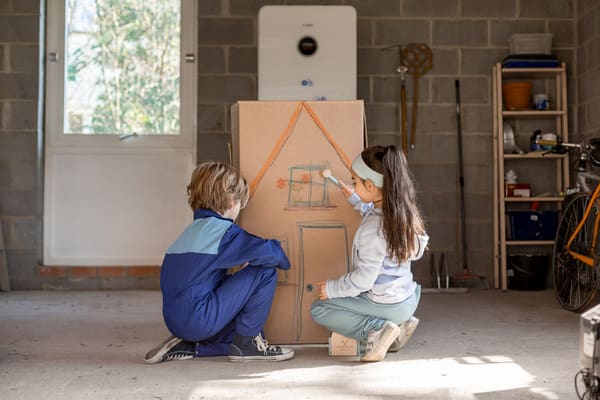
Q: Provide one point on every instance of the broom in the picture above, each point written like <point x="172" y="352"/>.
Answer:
<point x="466" y="278"/>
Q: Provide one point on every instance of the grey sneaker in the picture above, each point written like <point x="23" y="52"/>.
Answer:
<point x="256" y="348"/>
<point x="407" y="329"/>
<point x="378" y="342"/>
<point x="172" y="348"/>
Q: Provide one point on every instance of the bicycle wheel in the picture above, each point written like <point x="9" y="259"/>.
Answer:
<point x="574" y="281"/>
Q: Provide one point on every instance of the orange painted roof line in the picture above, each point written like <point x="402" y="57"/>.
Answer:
<point x="283" y="137"/>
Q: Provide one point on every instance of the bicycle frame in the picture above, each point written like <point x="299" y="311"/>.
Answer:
<point x="576" y="255"/>
<point x="586" y="259"/>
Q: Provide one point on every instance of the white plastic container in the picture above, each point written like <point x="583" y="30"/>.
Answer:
<point x="588" y="339"/>
<point x="531" y="43"/>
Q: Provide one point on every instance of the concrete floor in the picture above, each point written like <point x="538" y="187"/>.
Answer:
<point x="479" y="345"/>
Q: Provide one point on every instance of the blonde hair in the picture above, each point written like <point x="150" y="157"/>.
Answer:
<point x="214" y="185"/>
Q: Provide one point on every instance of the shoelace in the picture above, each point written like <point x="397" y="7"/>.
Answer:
<point x="263" y="345"/>
<point x="177" y="356"/>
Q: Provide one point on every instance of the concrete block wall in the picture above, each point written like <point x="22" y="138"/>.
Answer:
<point x="466" y="36"/>
<point x="20" y="163"/>
<point x="588" y="69"/>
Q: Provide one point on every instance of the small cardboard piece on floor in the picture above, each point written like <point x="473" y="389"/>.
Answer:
<point x="281" y="147"/>
<point x="340" y="345"/>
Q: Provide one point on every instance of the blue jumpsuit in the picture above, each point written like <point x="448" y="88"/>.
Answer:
<point x="201" y="302"/>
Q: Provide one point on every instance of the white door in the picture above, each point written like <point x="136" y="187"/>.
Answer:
<point x="120" y="129"/>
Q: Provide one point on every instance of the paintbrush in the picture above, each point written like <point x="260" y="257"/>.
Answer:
<point x="326" y="173"/>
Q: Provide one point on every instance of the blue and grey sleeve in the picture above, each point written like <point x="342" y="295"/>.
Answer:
<point x="239" y="247"/>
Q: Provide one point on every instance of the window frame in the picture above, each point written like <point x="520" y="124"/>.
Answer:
<point x="55" y="89"/>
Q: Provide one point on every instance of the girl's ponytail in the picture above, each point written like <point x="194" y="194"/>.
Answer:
<point x="402" y="220"/>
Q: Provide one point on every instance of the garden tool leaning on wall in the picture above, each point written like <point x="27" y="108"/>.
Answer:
<point x="418" y="59"/>
<point x="465" y="278"/>
<point x="415" y="59"/>
<point x="401" y="69"/>
<point x="440" y="278"/>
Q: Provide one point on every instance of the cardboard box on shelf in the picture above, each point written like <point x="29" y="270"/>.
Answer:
<point x="281" y="147"/>
<point x="518" y="190"/>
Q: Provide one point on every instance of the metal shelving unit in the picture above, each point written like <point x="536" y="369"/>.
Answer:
<point x="559" y="162"/>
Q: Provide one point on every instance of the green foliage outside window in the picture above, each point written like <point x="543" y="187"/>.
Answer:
<point x="122" y="72"/>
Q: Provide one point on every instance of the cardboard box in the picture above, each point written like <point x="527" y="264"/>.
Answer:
<point x="518" y="190"/>
<point x="522" y="192"/>
<point x="281" y="148"/>
<point x="340" y="345"/>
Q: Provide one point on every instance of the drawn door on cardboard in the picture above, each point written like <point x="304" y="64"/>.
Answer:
<point x="319" y="251"/>
<point x="324" y="255"/>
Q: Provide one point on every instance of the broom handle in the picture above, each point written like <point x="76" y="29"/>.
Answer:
<point x="403" y="120"/>
<point x="461" y="179"/>
<point x="413" y="120"/>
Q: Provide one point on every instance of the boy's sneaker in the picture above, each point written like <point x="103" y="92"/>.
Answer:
<point x="256" y="348"/>
<point x="407" y="328"/>
<point x="171" y="349"/>
<point x="378" y="342"/>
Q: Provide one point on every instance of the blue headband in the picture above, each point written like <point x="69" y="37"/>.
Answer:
<point x="361" y="169"/>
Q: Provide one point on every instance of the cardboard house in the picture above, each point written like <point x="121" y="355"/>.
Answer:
<point x="282" y="148"/>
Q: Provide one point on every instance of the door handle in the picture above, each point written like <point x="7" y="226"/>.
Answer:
<point x="126" y="136"/>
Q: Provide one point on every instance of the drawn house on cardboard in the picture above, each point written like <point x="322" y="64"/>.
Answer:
<point x="281" y="148"/>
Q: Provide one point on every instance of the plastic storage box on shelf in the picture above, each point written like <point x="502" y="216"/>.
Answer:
<point x="531" y="43"/>
<point x="532" y="225"/>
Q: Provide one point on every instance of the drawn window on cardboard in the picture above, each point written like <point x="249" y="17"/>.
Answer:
<point x="306" y="187"/>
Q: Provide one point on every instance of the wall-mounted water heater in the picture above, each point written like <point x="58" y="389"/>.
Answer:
<point x="307" y="53"/>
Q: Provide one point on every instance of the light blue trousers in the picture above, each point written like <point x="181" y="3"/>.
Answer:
<point x="354" y="317"/>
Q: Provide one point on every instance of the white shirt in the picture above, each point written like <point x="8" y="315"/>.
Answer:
<point x="382" y="278"/>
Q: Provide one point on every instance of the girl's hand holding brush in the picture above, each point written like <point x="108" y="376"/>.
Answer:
<point x="347" y="190"/>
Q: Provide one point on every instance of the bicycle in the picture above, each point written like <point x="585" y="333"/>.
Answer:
<point x="576" y="254"/>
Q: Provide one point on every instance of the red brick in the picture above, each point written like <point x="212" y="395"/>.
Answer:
<point x="143" y="271"/>
<point x="82" y="272"/>
<point x="112" y="272"/>
<point x="47" y="271"/>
